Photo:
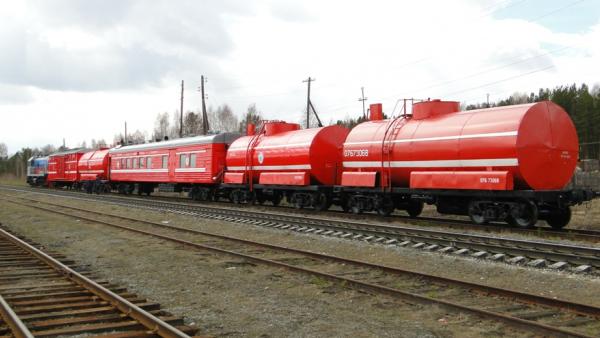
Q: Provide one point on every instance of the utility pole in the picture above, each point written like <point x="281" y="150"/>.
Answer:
<point x="205" y="125"/>
<point x="126" y="143"/>
<point x="308" y="104"/>
<point x="488" y="100"/>
<point x="181" y="113"/>
<point x="363" y="99"/>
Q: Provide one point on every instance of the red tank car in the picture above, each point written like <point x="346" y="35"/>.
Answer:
<point x="62" y="168"/>
<point x="196" y="163"/>
<point x="93" y="170"/>
<point x="443" y="155"/>
<point x="284" y="160"/>
<point x="491" y="149"/>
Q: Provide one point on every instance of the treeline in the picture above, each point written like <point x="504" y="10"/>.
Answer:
<point x="16" y="165"/>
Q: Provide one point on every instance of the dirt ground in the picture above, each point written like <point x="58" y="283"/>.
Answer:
<point x="228" y="297"/>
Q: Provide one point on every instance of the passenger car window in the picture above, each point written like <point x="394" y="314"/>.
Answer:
<point x="148" y="162"/>
<point x="129" y="163"/>
<point x="165" y="161"/>
<point x="182" y="160"/>
<point x="193" y="160"/>
<point x="135" y="163"/>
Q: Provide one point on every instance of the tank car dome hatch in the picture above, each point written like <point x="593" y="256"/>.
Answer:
<point x="277" y="127"/>
<point x="426" y="109"/>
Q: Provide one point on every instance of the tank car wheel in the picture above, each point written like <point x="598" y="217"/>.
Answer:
<point x="203" y="194"/>
<point x="354" y="206"/>
<point x="276" y="199"/>
<point x="558" y="219"/>
<point x="526" y="216"/>
<point x="236" y="197"/>
<point x="322" y="202"/>
<point x="260" y="198"/>
<point x="415" y="208"/>
<point x="476" y="213"/>
<point x="385" y="207"/>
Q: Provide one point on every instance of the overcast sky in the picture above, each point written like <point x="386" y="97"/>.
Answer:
<point x="79" y="69"/>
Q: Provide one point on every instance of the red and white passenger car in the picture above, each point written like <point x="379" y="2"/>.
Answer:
<point x="196" y="162"/>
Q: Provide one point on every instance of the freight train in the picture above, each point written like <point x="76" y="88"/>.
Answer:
<point x="507" y="164"/>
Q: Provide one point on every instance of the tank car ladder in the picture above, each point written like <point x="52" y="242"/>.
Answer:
<point x="249" y="156"/>
<point x="387" y="144"/>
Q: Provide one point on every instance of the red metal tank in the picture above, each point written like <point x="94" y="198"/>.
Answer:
<point x="93" y="165"/>
<point x="284" y="154"/>
<point x="62" y="167"/>
<point x="529" y="146"/>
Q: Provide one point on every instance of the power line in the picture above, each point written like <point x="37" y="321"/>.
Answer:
<point x="502" y="80"/>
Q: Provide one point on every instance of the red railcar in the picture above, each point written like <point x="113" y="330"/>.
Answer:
<point x="282" y="159"/>
<point x="488" y="149"/>
<point x="194" y="162"/>
<point x="62" y="168"/>
<point x="93" y="170"/>
<point x="506" y="163"/>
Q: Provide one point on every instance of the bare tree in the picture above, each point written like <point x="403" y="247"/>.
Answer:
<point x="136" y="137"/>
<point x="222" y="119"/>
<point x="252" y="116"/>
<point x="3" y="151"/>
<point x="192" y="124"/>
<point x="161" y="126"/>
<point x="47" y="149"/>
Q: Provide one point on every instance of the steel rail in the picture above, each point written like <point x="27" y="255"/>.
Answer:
<point x="151" y="322"/>
<point x="577" y="255"/>
<point x="17" y="328"/>
<point x="357" y="284"/>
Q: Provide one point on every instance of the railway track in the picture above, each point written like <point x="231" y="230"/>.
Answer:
<point x="529" y="312"/>
<point x="40" y="296"/>
<point x="585" y="235"/>
<point x="536" y="254"/>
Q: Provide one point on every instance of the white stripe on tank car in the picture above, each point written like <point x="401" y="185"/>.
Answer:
<point x="190" y="170"/>
<point x="272" y="167"/>
<point x="493" y="162"/>
<point x="440" y="138"/>
<point x="275" y="146"/>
